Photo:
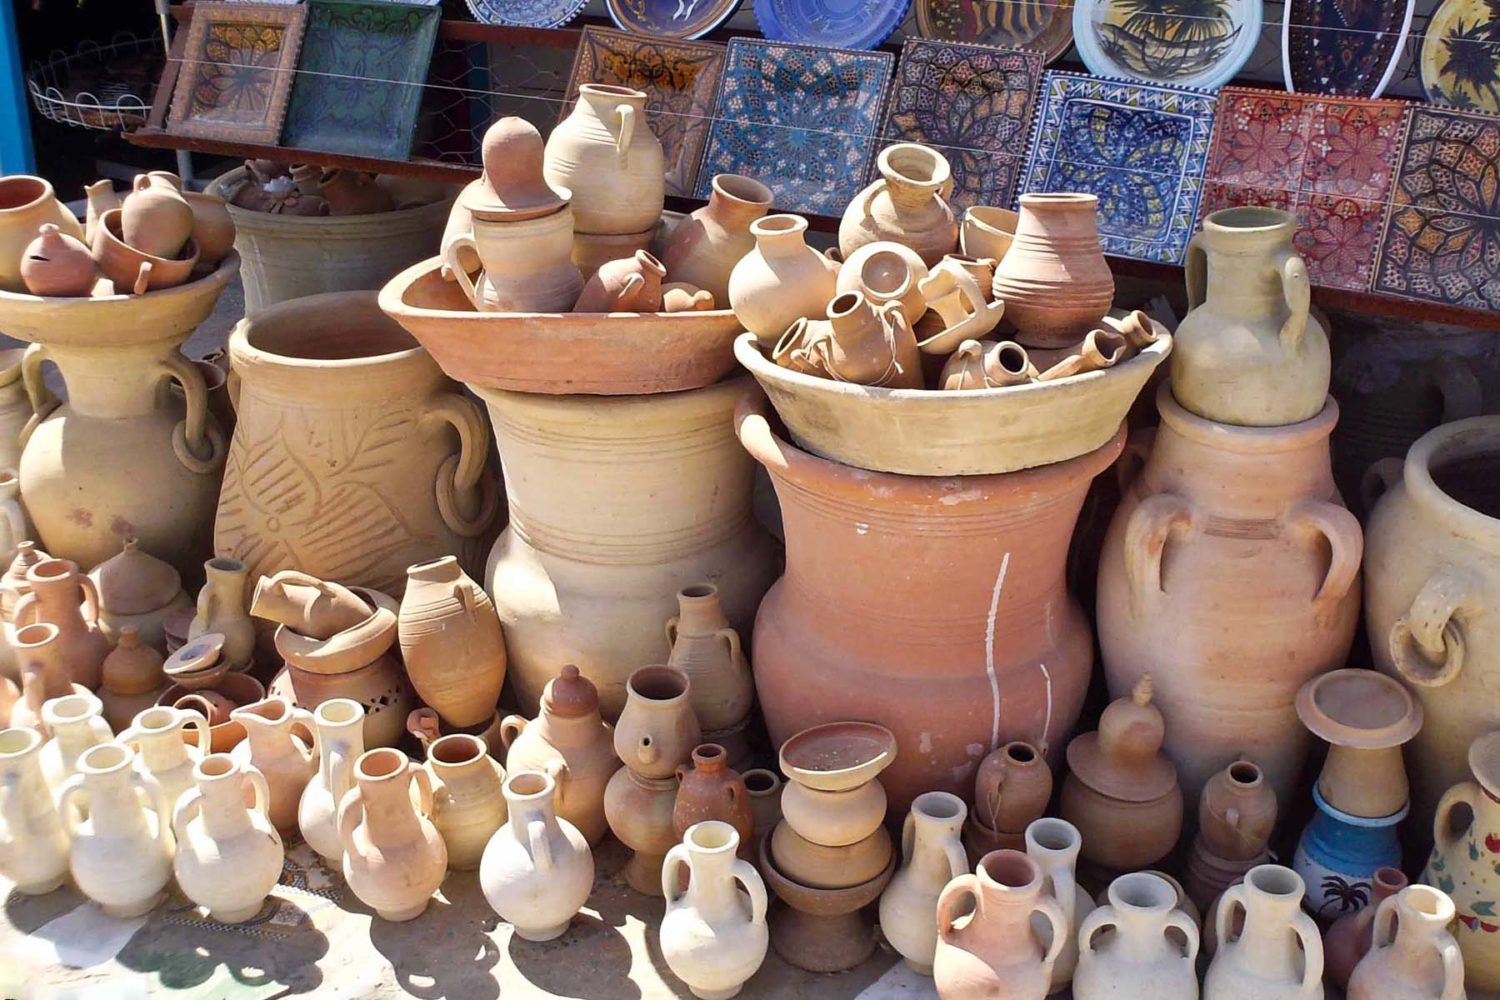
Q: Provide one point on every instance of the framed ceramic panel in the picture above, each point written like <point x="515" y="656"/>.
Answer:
<point x="1460" y="61"/>
<point x="849" y="24"/>
<point x="974" y="104"/>
<point x="1345" y="48"/>
<point x="237" y="71"/>
<point x="1203" y="44"/>
<point x="670" y="18"/>
<point x="1044" y="26"/>
<point x="801" y="119"/>
<point x="1441" y="238"/>
<point x="680" y="80"/>
<point x="360" y="77"/>
<point x="1142" y="149"/>
<point x="1329" y="160"/>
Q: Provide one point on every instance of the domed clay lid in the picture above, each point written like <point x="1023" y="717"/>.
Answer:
<point x="837" y="756"/>
<point x="135" y="582"/>
<point x="1359" y="708"/>
<point x="570" y="694"/>
<point x="1123" y="760"/>
<point x="514" y="188"/>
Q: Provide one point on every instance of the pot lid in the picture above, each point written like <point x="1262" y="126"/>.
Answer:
<point x="570" y="694"/>
<point x="513" y="187"/>
<point x="1359" y="708"/>
<point x="135" y="582"/>
<point x="1123" y="759"/>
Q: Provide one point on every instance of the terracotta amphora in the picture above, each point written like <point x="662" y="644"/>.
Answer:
<point x="1278" y="955"/>
<point x="57" y="264"/>
<point x="869" y="345"/>
<point x="1262" y="501"/>
<point x="222" y="608"/>
<point x="132" y="679"/>
<point x="33" y="846"/>
<point x="627" y="284"/>
<point x="713" y="934"/>
<point x="1413" y="956"/>
<point x="229" y="856"/>
<point x="451" y="642"/>
<point x="705" y="246"/>
<point x="467" y="807"/>
<point x="276" y="751"/>
<point x="781" y="280"/>
<point x="75" y="723"/>
<point x="907" y="205"/>
<point x="932" y="855"/>
<point x="120" y="830"/>
<point x="883" y="272"/>
<point x="1463" y="862"/>
<point x="1012" y="787"/>
<point x="26" y="204"/>
<point x="606" y="155"/>
<point x="1349" y="938"/>
<point x="394" y="858"/>
<point x="571" y="744"/>
<point x="537" y="870"/>
<point x="996" y="954"/>
<point x="1054" y="280"/>
<point x="60" y="595"/>
<point x="134" y="588"/>
<point x="527" y="265"/>
<point x="657" y="731"/>
<point x="1249" y="351"/>
<point x="161" y="741"/>
<point x="341" y="740"/>
<point x="708" y="651"/>
<point x="1140" y="960"/>
<point x="1055" y="844"/>
<point x="344" y="421"/>
<point x="44" y="675"/>
<point x="711" y="790"/>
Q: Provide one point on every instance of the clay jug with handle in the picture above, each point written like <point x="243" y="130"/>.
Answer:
<point x="1263" y="961"/>
<point x="222" y="609"/>
<point x="273" y="748"/>
<point x="65" y="597"/>
<point x="229" y="856"/>
<point x="159" y="735"/>
<point x="33" y="846"/>
<point x="120" y="828"/>
<point x="1140" y="960"/>
<point x="341" y="739"/>
<point x="932" y="855"/>
<point x="996" y="955"/>
<point x="605" y="153"/>
<point x="708" y="650"/>
<point x="467" y="805"/>
<point x="1054" y="844"/>
<point x="1413" y="957"/>
<point x="908" y="204"/>
<point x="451" y="642"/>
<point x="394" y="858"/>
<point x="537" y="870"/>
<point x="713" y="935"/>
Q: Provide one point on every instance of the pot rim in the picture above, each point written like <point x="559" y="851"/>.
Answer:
<point x="1339" y="732"/>
<point x="321" y="714"/>
<point x="1453" y="442"/>
<point x="724" y="838"/>
<point x="87" y="705"/>
<point x="477" y="750"/>
<point x="518" y="786"/>
<point x="753" y="193"/>
<point x="28" y="741"/>
<point x="87" y="765"/>
<point x="1163" y="895"/>
<point x="244" y="352"/>
<point x="45" y="191"/>
<point x="1047" y="826"/>
<point x="1227" y="220"/>
<point x="1244" y="439"/>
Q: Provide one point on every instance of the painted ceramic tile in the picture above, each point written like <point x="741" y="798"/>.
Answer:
<point x="1044" y="26"/>
<point x="801" y="119"/>
<point x="1141" y="148"/>
<point x="974" y="104"/>
<point x="1194" y="43"/>
<point x="1441" y="239"/>
<point x="680" y="80"/>
<point x="1347" y="48"/>
<point x="1460" y="61"/>
<point x="237" y="71"/>
<point x="849" y="24"/>
<point x="670" y="18"/>
<point x="360" y="76"/>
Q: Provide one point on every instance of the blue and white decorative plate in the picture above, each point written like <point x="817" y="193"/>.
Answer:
<point x="526" y="13"/>
<point x="1142" y="148"/>
<point x="1202" y="43"/>
<point x="670" y="18"/>
<point x="845" y="24"/>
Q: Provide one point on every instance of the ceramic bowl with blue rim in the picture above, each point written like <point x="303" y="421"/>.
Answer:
<point x="670" y="18"/>
<point x="526" y="13"/>
<point x="1202" y="48"/>
<point x="842" y="24"/>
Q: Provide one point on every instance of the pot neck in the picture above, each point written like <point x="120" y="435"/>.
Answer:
<point x="563" y="731"/>
<point x="389" y="812"/>
<point x="712" y="889"/>
<point x="700" y="613"/>
<point x="1268" y="941"/>
<point x="114" y="808"/>
<point x="115" y="381"/>
<point x="731" y="213"/>
<point x="444" y="570"/>
<point x="523" y="810"/>
<point x="1244" y="270"/>
<point x="605" y="105"/>
<point x="780" y="245"/>
<point x="228" y="585"/>
<point x="1057" y="227"/>
<point x="225" y="814"/>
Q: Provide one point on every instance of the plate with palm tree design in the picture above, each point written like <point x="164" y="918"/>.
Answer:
<point x="1044" y="26"/>
<point x="1461" y="55"/>
<point x="1181" y="43"/>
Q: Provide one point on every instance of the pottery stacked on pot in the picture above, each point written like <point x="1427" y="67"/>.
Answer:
<point x="26" y="204"/>
<point x="707" y="649"/>
<point x="1011" y="789"/>
<point x="59" y="594"/>
<point x="132" y="679"/>
<point x="202" y="680"/>
<point x="1236" y="817"/>
<point x="223" y="608"/>
<point x="1463" y="862"/>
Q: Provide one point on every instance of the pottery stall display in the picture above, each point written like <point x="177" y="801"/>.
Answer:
<point x="1350" y="937"/>
<point x="33" y="845"/>
<point x="908" y="204"/>
<point x="341" y="742"/>
<point x="713" y="934"/>
<point x="273" y="748"/>
<point x="131" y="679"/>
<point x="608" y="157"/>
<point x="26" y="204"/>
<point x="704" y="248"/>
<point x="59" y="594"/>
<point x="1462" y="864"/>
<point x="996" y="953"/>
<point x="1139" y="960"/>
<point x="1278" y="954"/>
<point x="1011" y="789"/>
<point x="467" y="805"/>
<point x="163" y="748"/>
<point x="134" y="588"/>
<point x="1053" y="278"/>
<point x="1055" y="845"/>
<point x="537" y="870"/>
<point x="229" y="856"/>
<point x="222" y="608"/>
<point x="932" y="855"/>
<point x="711" y="790"/>
<point x="1413" y="957"/>
<point x="706" y="648"/>
<point x="1236" y="817"/>
<point x="451" y="643"/>
<point x="120" y="831"/>
<point x="394" y="858"/>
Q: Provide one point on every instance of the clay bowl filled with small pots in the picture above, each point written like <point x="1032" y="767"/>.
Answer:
<point x="558" y="353"/>
<point x="924" y="432"/>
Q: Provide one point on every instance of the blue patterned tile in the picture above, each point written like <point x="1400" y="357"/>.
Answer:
<point x="1142" y="148"/>
<point x="801" y="119"/>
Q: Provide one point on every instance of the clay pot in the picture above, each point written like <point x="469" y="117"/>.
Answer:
<point x="75" y="722"/>
<point x="907" y="205"/>
<point x="221" y="610"/>
<point x="822" y="930"/>
<point x="781" y="280"/>
<point x="707" y="650"/>
<point x="451" y="642"/>
<point x="1237" y="812"/>
<point x="528" y="265"/>
<point x="353" y="192"/>
<point x="134" y="588"/>
<point x="57" y="264"/>
<point x="957" y="293"/>
<point x="1249" y="352"/>
<point x="632" y="284"/>
<point x="834" y="818"/>
<point x="830" y="642"/>
<point x="639" y="810"/>
<point x="26" y="204"/>
<point x="1054" y="280"/>
<point x="886" y="272"/>
<point x="1413" y="957"/>
<point x="121" y="846"/>
<point x="132" y="679"/>
<point x="1055" y="844"/>
<point x="15" y="414"/>
<point x="1263" y="962"/>
<point x="133" y="271"/>
<point x="605" y="153"/>
<point x="657" y="730"/>
<point x="310" y="607"/>
<point x="229" y="856"/>
<point x="986" y="364"/>
<point x="1012" y="787"/>
<point x="682" y="297"/>
<point x="341" y="741"/>
<point x="1350" y="937"/>
<point x="834" y="797"/>
<point x="272" y="748"/>
<point x="1260" y="500"/>
<point x="932" y="855"/>
<point x="60" y="595"/>
<point x="165" y="749"/>
<point x="869" y="346"/>
<point x="996" y="955"/>
<point x="764" y="787"/>
<point x="425" y="726"/>
<point x="537" y="870"/>
<point x="34" y="848"/>
<point x="155" y="218"/>
<point x="1366" y="717"/>
<point x="511" y="153"/>
<point x="100" y="197"/>
<point x="1461" y="863"/>
<point x="467" y="807"/>
<point x="710" y="790"/>
<point x="711" y="939"/>
<point x="216" y="704"/>
<point x="213" y="229"/>
<point x="705" y="247"/>
<point x="987" y="232"/>
<point x="1139" y="961"/>
<point x="394" y="859"/>
<point x="44" y="674"/>
<point x="821" y="866"/>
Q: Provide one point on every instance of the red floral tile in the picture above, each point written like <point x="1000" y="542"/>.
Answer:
<point x="1338" y="239"/>
<point x="1259" y="139"/>
<point x="1352" y="147"/>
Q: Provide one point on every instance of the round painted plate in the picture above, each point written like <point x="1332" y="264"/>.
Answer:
<point x="841" y="24"/>
<point x="1460" y="61"/>
<point x="526" y="13"/>
<point x="1044" y="26"/>
<point x="671" y="18"/>
<point x="1183" y="43"/>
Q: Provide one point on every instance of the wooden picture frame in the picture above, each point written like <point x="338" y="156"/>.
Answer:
<point x="237" y="69"/>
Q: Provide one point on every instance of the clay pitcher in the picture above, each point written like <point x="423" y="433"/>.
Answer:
<point x="221" y="609"/>
<point x="1139" y="961"/>
<point x="120" y="828"/>
<point x="44" y="675"/>
<point x="626" y="284"/>
<point x="33" y="846"/>
<point x="26" y="204"/>
<point x="708" y="651"/>
<point x="155" y="218"/>
<point x="996" y="955"/>
<point x="271" y="746"/>
<point x="1413" y="956"/>
<point x="713" y="935"/>
<point x="1054" y="844"/>
<point x="932" y="855"/>
<point x="537" y="871"/>
<point x="451" y="642"/>
<point x="781" y="280"/>
<point x="100" y="197"/>
<point x="705" y="246"/>
<point x="907" y="205"/>
<point x="657" y="730"/>
<point x="870" y="346"/>
<point x="229" y="856"/>
<point x="161" y="741"/>
<point x="62" y="596"/>
<point x="467" y="807"/>
<point x="1263" y="961"/>
<point x="528" y="264"/>
<point x="1461" y="863"/>
<point x="341" y="740"/>
<point x="394" y="858"/>
<point x="711" y="790"/>
<point x="76" y="723"/>
<point x="1054" y="280"/>
<point x="605" y="153"/>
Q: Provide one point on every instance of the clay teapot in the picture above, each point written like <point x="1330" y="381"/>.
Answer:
<point x="657" y="730"/>
<point x="629" y="284"/>
<point x="57" y="264"/>
<point x="137" y="589"/>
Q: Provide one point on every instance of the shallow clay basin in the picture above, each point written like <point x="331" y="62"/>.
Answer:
<point x="560" y="353"/>
<point x="837" y="756"/>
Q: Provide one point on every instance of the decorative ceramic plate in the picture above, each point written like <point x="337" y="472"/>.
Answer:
<point x="1044" y="26"/>
<point x="1180" y="43"/>
<point x="971" y="102"/>
<point x="680" y="80"/>
<point x="800" y="119"/>
<point x="1461" y="56"/>
<point x="526" y="13"/>
<point x="237" y="70"/>
<point x="670" y="18"/>
<point x="847" y="24"/>
<point x="1140" y="147"/>
<point x="1349" y="48"/>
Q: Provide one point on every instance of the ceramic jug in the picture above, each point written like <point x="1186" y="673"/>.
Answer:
<point x="907" y="205"/>
<point x="932" y="855"/>
<point x="959" y="307"/>
<point x="996" y="955"/>
<point x="528" y="264"/>
<point x="341" y="740"/>
<point x="1054" y="280"/>
<point x="120" y="829"/>
<point x="99" y="197"/>
<point x="605" y="153"/>
<point x="76" y="723"/>
<point x="451" y="642"/>
<point x="713" y="934"/>
<point x="1249" y="352"/>
<point x="56" y="264"/>
<point x="711" y="790"/>
<point x="869" y="346"/>
<point x="1054" y="844"/>
<point x="1263" y="961"/>
<point x="1012" y="787"/>
<point x="986" y="364"/>
<point x="1237" y="812"/>
<point x="467" y="807"/>
<point x="229" y="856"/>
<point x="1349" y="938"/>
<point x="1463" y="862"/>
<point x="26" y="204"/>
<point x="272" y="748"/>
<point x="886" y="272"/>
<point x="625" y="284"/>
<point x="132" y="679"/>
<point x="62" y="596"/>
<point x="708" y="651"/>
<point x="1139" y="961"/>
<point x="1413" y="956"/>
<point x="33" y="846"/>
<point x="134" y="588"/>
<point x="394" y="858"/>
<point x="159" y="736"/>
<point x="44" y="676"/>
<point x="657" y="730"/>
<point x="155" y="218"/>
<point x="781" y="280"/>
<point x="537" y="870"/>
<point x="221" y="609"/>
<point x="705" y="247"/>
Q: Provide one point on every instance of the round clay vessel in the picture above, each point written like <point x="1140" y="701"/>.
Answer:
<point x="537" y="870"/>
<point x="61" y="595"/>
<point x="1350" y="937"/>
<point x="822" y="930"/>
<point x="134" y="271"/>
<point x="341" y="741"/>
<point x="657" y="730"/>
<point x="986" y="364"/>
<point x="823" y="867"/>
<point x="451" y="642"/>
<point x="1263" y="961"/>
<point x="995" y="954"/>
<point x="639" y="810"/>
<point x="273" y="749"/>
<point x="213" y="229"/>
<point x="631" y="284"/>
<point x="1237" y="812"/>
<point x="869" y="345"/>
<point x="394" y="858"/>
<point x="137" y="589"/>
<point x="155" y="218"/>
<point x="1054" y="280"/>
<point x="132" y="679"/>
<point x="710" y="790"/>
<point x="907" y="205"/>
<point x="467" y="804"/>
<point x="838" y="756"/>
<point x="34" y="853"/>
<point x="606" y="155"/>
<point x="26" y="204"/>
<point x="765" y="788"/>
<point x="57" y="264"/>
<point x="1460" y="863"/>
<point x="1012" y="787"/>
<point x="932" y="854"/>
<point x="886" y="272"/>
<point x="229" y="856"/>
<point x="705" y="247"/>
<point x="781" y="280"/>
<point x="834" y="818"/>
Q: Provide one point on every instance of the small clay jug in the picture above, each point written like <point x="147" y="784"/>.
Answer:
<point x="1100" y="349"/>
<point x="765" y="787"/>
<point x="1263" y="961"/>
<point x="1413" y="956"/>
<point x="57" y="264"/>
<point x="33" y="846"/>
<point x="467" y="805"/>
<point x="1054" y="844"/>
<point x="537" y="871"/>
<point x="1466" y="823"/>
<point x="353" y="192"/>
<point x="100" y="197"/>
<point x="309" y="606"/>
<point x="713" y="935"/>
<point x="629" y="284"/>
<point x="271" y="747"/>
<point x="451" y="642"/>
<point x="907" y="205"/>
<point x="1350" y="937"/>
<point x="932" y="855"/>
<point x="159" y="735"/>
<point x="44" y="674"/>
<point x="705" y="247"/>
<point x="886" y="272"/>
<point x="155" y="218"/>
<point x="221" y="609"/>
<point x="1054" y="280"/>
<point x="995" y="954"/>
<point x="528" y="265"/>
<point x="1237" y="812"/>
<point x="708" y="651"/>
<point x="986" y="364"/>
<point x="870" y="346"/>
<point x="1139" y="960"/>
<point x="394" y="858"/>
<point x="657" y="729"/>
<point x="1012" y="787"/>
<point x="710" y="789"/>
<point x="781" y="280"/>
<point x="64" y="597"/>
<point x="121" y="854"/>
<point x="341" y="739"/>
<point x="132" y="679"/>
<point x="229" y="856"/>
<point x="134" y="587"/>
<point x="75" y="723"/>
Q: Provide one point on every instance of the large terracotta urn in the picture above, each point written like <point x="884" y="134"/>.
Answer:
<point x="935" y="607"/>
<point x="354" y="456"/>
<point x="1230" y="574"/>
<point x="616" y="504"/>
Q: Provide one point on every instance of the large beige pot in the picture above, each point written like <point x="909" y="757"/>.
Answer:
<point x="354" y="457"/>
<point x="289" y="256"/>
<point x="617" y="503"/>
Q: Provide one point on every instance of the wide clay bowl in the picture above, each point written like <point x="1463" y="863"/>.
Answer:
<point x="928" y="432"/>
<point x="616" y="354"/>
<point x="837" y="756"/>
<point x="1359" y="708"/>
<point x="121" y="262"/>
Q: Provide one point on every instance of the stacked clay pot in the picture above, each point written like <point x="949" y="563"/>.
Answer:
<point x="1236" y="816"/>
<point x="1011" y="789"/>
<point x="708" y="650"/>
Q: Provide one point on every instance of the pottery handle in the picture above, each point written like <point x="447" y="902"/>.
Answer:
<point x="453" y="261"/>
<point x="351" y="812"/>
<point x="1382" y="929"/>
<point x="1064" y="883"/>
<point x="197" y="441"/>
<point x="1346" y="544"/>
<point x="1147" y="531"/>
<point x="1429" y="643"/>
<point x="510" y="727"/>
<point x="190" y="803"/>
<point x="1189" y="930"/>
<point x="631" y="289"/>
<point x="19" y="616"/>
<point x="672" y="632"/>
<point x="100" y="729"/>
<point x="958" y="859"/>
<point x="1104" y="916"/>
<point x="1224" y="922"/>
<point x="1049" y="908"/>
<point x="869" y="195"/>
<point x="627" y="117"/>
<point x="142" y="279"/>
<point x="151" y="789"/>
<point x="196" y="719"/>
<point x="65" y="795"/>
<point x="908" y="837"/>
<point x="12" y="816"/>
<point x="1378" y="479"/>
<point x="1453" y="971"/>
<point x="1465" y="793"/>
<point x="462" y="484"/>
<point x="260" y="788"/>
<point x="90" y="601"/>
<point x="745" y="874"/>
<point x="1312" y="951"/>
<point x="15" y="520"/>
<point x="424" y="788"/>
<point x="945" y="191"/>
<point x="966" y="884"/>
<point x="541" y="851"/>
<point x="1195" y="272"/>
<point x="302" y="717"/>
<point x="736" y="651"/>
<point x="43" y="399"/>
<point x="1296" y="288"/>
<point x="671" y="881"/>
<point x="971" y="292"/>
